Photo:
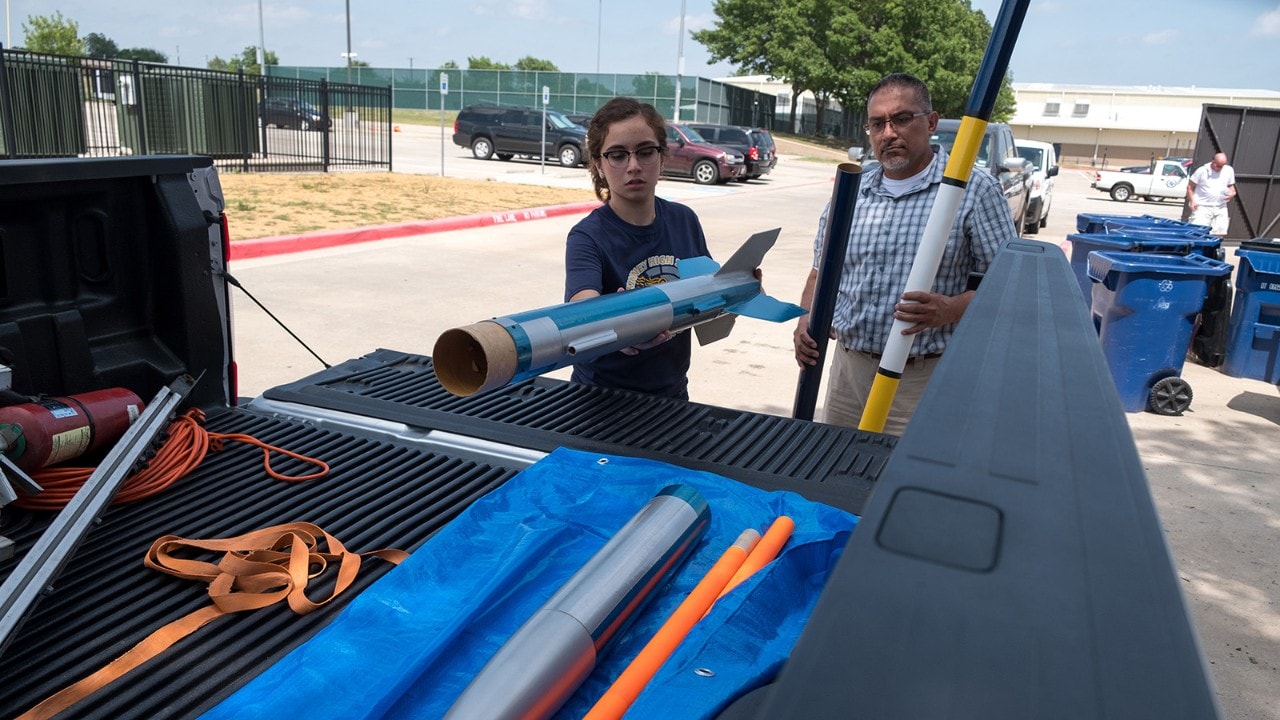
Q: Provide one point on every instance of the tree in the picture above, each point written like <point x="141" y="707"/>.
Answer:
<point x="940" y="41"/>
<point x="143" y="55"/>
<point x="529" y="62"/>
<point x="484" y="63"/>
<point x="52" y="34"/>
<point x="841" y="48"/>
<point x="449" y="65"/>
<point x="100" y="46"/>
<point x="767" y="37"/>
<point x="247" y="61"/>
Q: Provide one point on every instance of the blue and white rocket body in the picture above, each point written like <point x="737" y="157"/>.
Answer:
<point x="707" y="298"/>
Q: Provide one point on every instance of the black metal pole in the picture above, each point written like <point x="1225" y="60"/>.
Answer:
<point x="6" y="110"/>
<point x="834" y="246"/>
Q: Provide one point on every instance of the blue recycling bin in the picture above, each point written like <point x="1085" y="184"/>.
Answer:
<point x="1082" y="244"/>
<point x="1253" y="340"/>
<point x="1145" y="307"/>
<point x="1101" y="223"/>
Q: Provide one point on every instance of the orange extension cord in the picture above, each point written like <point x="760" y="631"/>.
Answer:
<point x="186" y="447"/>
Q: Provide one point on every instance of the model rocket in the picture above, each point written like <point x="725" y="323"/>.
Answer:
<point x="547" y="658"/>
<point x="707" y="298"/>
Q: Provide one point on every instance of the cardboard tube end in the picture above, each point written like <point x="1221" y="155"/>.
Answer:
<point x="474" y="358"/>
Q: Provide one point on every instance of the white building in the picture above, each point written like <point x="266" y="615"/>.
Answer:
<point x="1115" y="125"/>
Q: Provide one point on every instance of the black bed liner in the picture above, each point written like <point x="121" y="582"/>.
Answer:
<point x="381" y="492"/>
<point x="825" y="463"/>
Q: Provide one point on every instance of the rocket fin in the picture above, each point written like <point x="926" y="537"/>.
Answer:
<point x="763" y="307"/>
<point x="695" y="266"/>
<point x="718" y="329"/>
<point x="748" y="257"/>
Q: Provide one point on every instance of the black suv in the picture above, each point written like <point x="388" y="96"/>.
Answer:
<point x="290" y="113"/>
<point x="756" y="145"/>
<point x="491" y="130"/>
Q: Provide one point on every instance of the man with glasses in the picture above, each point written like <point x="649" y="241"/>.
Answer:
<point x="893" y="204"/>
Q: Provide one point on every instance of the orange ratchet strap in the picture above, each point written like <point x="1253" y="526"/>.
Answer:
<point x="256" y="570"/>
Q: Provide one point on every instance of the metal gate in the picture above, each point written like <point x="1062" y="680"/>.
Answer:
<point x="1250" y="137"/>
<point x="64" y="106"/>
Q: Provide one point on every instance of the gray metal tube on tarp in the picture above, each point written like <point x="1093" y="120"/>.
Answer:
<point x="834" y="246"/>
<point x="545" y="661"/>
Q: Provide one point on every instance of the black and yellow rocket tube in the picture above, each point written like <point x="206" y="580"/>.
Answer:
<point x="982" y="99"/>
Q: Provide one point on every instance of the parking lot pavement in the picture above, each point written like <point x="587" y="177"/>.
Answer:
<point x="1214" y="471"/>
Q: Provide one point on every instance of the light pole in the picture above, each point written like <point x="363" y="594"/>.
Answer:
<point x="599" y="25"/>
<point x="262" y="44"/>
<point x="679" y="63"/>
<point x="348" y="56"/>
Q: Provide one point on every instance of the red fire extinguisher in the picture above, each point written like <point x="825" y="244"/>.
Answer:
<point x="57" y="429"/>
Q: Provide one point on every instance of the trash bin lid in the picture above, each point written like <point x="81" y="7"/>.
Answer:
<point x="1261" y="260"/>
<point x="1263" y="244"/>
<point x="1172" y="227"/>
<point x="1101" y="263"/>
<point x="1135" y="242"/>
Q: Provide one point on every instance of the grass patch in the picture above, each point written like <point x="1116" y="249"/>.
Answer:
<point x="407" y="116"/>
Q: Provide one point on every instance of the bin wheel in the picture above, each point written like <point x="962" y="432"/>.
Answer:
<point x="1170" y="396"/>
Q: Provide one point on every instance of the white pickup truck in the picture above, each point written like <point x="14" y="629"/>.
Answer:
<point x="1164" y="179"/>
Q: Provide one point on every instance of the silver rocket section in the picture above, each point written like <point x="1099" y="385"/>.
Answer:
<point x="545" y="661"/>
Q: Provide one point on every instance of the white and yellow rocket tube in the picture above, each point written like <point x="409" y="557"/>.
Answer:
<point x="942" y="216"/>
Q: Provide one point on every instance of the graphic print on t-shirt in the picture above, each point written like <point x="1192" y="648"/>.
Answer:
<point x="653" y="270"/>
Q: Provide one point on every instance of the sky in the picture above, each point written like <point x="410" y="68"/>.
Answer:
<point x="1201" y="43"/>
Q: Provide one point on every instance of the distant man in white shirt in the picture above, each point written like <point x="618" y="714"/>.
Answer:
<point x="1209" y="192"/>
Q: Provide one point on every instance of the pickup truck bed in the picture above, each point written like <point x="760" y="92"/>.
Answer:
<point x="407" y="457"/>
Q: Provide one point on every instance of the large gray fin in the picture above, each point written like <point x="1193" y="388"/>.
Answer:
<point x="751" y="254"/>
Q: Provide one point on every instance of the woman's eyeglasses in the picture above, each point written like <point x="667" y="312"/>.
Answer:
<point x="647" y="155"/>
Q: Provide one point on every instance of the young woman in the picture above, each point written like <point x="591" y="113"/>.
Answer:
<point x="633" y="240"/>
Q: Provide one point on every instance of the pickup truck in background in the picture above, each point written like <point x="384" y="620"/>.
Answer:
<point x="999" y="156"/>
<point x="1163" y="179"/>
<point x="116" y="277"/>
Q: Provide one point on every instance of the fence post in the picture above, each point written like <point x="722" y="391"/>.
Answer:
<point x="243" y="119"/>
<point x="324" y="141"/>
<point x="6" y="109"/>
<point x="141" y="118"/>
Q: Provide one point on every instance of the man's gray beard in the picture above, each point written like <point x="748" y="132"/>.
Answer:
<point x="895" y="163"/>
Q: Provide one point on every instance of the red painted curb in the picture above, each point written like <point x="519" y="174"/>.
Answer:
<point x="264" y="247"/>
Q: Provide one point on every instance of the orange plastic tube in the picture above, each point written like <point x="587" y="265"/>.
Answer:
<point x="624" y="691"/>
<point x="764" y="552"/>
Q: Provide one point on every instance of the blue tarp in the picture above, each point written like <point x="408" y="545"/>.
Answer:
<point x="410" y="643"/>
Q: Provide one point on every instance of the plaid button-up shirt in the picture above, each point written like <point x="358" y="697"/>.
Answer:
<point x="885" y="233"/>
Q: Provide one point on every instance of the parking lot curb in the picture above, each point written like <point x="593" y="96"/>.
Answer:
<point x="265" y="247"/>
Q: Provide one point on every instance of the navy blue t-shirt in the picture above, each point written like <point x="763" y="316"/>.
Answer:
<point x="604" y="253"/>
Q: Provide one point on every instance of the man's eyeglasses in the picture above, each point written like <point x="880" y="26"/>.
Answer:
<point x="900" y="122"/>
<point x="646" y="155"/>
